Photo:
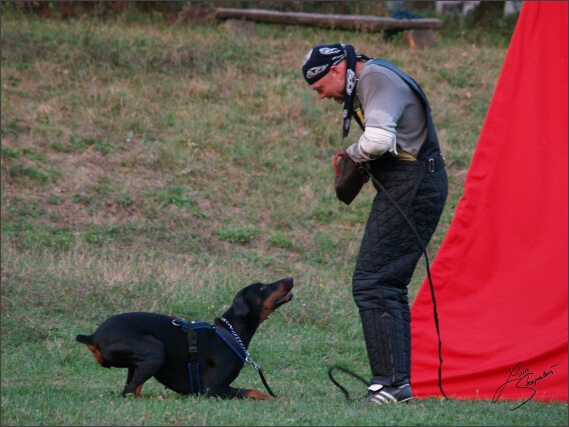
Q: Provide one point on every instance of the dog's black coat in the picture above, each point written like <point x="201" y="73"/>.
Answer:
<point x="149" y="345"/>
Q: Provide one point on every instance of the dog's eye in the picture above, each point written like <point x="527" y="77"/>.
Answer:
<point x="262" y="288"/>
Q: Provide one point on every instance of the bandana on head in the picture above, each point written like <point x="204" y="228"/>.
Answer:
<point x="317" y="64"/>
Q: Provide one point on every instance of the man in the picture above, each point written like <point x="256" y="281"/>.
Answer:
<point x="400" y="150"/>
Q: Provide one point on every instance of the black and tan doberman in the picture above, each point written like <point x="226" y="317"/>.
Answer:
<point x="157" y="345"/>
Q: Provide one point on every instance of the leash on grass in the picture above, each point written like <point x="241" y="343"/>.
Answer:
<point x="258" y="369"/>
<point x="432" y="288"/>
<point x="337" y="384"/>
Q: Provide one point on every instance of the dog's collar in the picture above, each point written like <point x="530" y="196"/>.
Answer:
<point x="248" y="357"/>
<point x="235" y="334"/>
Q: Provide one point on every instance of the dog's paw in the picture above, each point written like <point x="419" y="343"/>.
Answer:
<point x="255" y="394"/>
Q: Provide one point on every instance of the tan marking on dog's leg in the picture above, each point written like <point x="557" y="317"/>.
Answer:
<point x="96" y="353"/>
<point x="138" y="390"/>
<point x="255" y="394"/>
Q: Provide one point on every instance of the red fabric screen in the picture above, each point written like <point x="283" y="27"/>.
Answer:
<point x="501" y="273"/>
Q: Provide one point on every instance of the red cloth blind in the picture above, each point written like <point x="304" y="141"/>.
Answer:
<point x="501" y="273"/>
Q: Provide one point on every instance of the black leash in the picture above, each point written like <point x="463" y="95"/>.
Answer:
<point x="258" y="369"/>
<point x="337" y="384"/>
<point x="248" y="358"/>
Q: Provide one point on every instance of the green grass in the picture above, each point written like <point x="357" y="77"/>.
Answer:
<point x="159" y="167"/>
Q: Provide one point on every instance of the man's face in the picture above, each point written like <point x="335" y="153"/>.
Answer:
<point x="333" y="84"/>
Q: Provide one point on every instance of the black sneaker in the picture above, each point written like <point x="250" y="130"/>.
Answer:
<point x="382" y="395"/>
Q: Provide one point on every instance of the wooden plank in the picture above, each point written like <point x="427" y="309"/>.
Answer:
<point x="340" y="22"/>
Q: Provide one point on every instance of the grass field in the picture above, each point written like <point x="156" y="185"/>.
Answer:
<point x="161" y="167"/>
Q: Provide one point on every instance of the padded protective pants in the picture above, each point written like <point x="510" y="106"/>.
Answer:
<point x="388" y="255"/>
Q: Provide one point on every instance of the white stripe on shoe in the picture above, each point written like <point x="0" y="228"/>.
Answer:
<point x="384" y="395"/>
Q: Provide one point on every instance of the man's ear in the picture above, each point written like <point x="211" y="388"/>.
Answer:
<point x="339" y="70"/>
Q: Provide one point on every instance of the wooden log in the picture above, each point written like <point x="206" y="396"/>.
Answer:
<point x="339" y="22"/>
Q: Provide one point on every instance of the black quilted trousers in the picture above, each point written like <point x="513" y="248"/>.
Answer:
<point x="388" y="255"/>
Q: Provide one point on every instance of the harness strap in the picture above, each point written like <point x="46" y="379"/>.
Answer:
<point x="192" y="343"/>
<point x="193" y="365"/>
<point x="232" y="343"/>
<point x="227" y="337"/>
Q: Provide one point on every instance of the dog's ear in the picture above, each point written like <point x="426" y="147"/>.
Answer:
<point x="241" y="303"/>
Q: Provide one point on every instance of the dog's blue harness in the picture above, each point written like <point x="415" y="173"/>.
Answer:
<point x="194" y="367"/>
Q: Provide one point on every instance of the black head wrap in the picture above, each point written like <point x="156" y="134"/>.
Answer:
<point x="317" y="64"/>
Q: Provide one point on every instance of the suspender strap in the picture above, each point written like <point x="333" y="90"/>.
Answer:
<point x="412" y="83"/>
<point x="430" y="148"/>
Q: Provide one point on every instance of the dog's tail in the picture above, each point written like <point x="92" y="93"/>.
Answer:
<point x="84" y="339"/>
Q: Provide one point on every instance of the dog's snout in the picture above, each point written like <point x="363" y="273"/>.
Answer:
<point x="288" y="282"/>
